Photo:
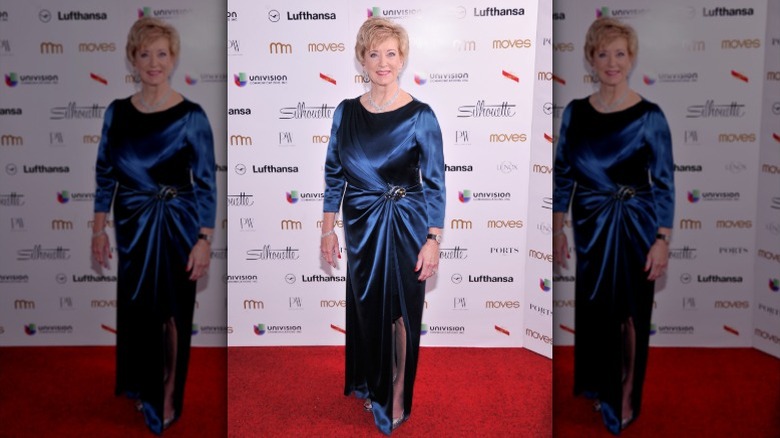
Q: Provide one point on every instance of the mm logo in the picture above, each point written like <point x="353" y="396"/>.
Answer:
<point x="48" y="48"/>
<point x="289" y="224"/>
<point x="90" y="139"/>
<point x="460" y="224"/>
<point x="280" y="48"/>
<point x="253" y="305"/>
<point x="61" y="224"/>
<point x="464" y="45"/>
<point x="24" y="304"/>
<point x="11" y="140"/>
<point x="690" y="224"/>
<point x="240" y="140"/>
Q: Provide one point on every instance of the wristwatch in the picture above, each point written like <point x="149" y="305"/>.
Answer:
<point x="434" y="237"/>
<point x="665" y="237"/>
<point x="205" y="237"/>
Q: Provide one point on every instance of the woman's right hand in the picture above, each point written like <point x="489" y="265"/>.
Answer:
<point x="329" y="247"/>
<point x="101" y="248"/>
<point x="560" y="249"/>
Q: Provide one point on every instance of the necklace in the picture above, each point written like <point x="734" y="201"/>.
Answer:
<point x="152" y="108"/>
<point x="381" y="108"/>
<point x="609" y="108"/>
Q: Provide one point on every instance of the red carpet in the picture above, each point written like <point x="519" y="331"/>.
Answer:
<point x="69" y="392"/>
<point x="460" y="392"/>
<point x="689" y="392"/>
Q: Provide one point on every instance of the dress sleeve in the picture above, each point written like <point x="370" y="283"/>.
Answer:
<point x="563" y="175"/>
<point x="428" y="135"/>
<point x="105" y="180"/>
<point x="204" y="181"/>
<point x="659" y="138"/>
<point x="334" y="174"/>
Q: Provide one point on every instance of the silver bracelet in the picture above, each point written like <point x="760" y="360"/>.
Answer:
<point x="331" y="232"/>
<point x="99" y="233"/>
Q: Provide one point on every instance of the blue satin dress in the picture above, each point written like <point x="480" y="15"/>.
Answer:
<point x="389" y="170"/>
<point x="616" y="170"/>
<point x="158" y="170"/>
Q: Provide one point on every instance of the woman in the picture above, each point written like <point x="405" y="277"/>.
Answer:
<point x="385" y="160"/>
<point x="614" y="155"/>
<point x="157" y="154"/>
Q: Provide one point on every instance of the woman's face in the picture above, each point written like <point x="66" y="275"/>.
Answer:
<point x="383" y="62"/>
<point x="154" y="62"/>
<point x="612" y="63"/>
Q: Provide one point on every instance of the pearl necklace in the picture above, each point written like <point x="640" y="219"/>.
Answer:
<point x="613" y="105"/>
<point x="152" y="108"/>
<point x="381" y="108"/>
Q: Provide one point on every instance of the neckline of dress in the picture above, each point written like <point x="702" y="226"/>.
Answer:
<point x="130" y="100"/>
<point x="385" y="112"/>
<point x="590" y="105"/>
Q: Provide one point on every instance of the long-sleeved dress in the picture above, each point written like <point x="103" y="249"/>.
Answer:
<point x="389" y="170"/>
<point x="619" y="168"/>
<point x="158" y="171"/>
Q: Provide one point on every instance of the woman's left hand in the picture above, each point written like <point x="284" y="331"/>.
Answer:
<point x="657" y="260"/>
<point x="198" y="262"/>
<point x="427" y="260"/>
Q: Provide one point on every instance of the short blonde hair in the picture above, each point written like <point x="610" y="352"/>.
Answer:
<point x="603" y="31"/>
<point x="147" y="30"/>
<point x="375" y="31"/>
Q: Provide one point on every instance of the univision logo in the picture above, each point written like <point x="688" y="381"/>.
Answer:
<point x="12" y="79"/>
<point x="774" y="284"/>
<point x="464" y="196"/>
<point x="293" y="196"/>
<point x="545" y="284"/>
<point x="240" y="79"/>
<point x="63" y="197"/>
<point x="259" y="329"/>
<point x="30" y="329"/>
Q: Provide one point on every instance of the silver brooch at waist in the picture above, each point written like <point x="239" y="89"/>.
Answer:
<point x="395" y="193"/>
<point x="167" y="193"/>
<point x="624" y="193"/>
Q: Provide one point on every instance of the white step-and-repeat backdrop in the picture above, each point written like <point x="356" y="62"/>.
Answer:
<point x="61" y="66"/>
<point x="713" y="69"/>
<point x="485" y="70"/>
